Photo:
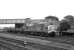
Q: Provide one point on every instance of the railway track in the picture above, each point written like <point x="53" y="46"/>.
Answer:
<point x="31" y="46"/>
<point x="37" y="42"/>
<point x="4" y="47"/>
<point x="17" y="45"/>
<point x="12" y="45"/>
<point x="67" y="40"/>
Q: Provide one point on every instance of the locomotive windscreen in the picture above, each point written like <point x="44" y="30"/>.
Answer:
<point x="52" y="28"/>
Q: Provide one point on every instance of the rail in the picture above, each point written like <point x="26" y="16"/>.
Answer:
<point x="39" y="41"/>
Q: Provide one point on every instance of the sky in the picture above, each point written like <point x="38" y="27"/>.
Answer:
<point x="35" y="9"/>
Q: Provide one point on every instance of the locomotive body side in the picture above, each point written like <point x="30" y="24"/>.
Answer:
<point x="40" y="28"/>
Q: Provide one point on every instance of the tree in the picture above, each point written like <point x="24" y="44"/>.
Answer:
<point x="64" y="26"/>
<point x="69" y="19"/>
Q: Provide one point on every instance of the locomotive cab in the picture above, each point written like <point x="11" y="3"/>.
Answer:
<point x="52" y="30"/>
<point x="53" y="23"/>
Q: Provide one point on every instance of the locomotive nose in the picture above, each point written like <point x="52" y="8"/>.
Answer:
<point x="52" y="28"/>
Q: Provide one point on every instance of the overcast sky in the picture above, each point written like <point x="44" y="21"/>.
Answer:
<point x="35" y="9"/>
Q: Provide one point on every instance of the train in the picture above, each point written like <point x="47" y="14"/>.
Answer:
<point x="36" y="30"/>
<point x="47" y="27"/>
<point x="40" y="27"/>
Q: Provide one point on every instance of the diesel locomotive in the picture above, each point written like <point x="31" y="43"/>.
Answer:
<point x="50" y="26"/>
<point x="38" y="27"/>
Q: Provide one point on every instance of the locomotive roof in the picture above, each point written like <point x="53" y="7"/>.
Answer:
<point x="38" y="21"/>
<point x="52" y="17"/>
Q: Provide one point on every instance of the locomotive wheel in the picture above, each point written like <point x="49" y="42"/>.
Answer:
<point x="28" y="32"/>
<point x="33" y="33"/>
<point x="43" y="34"/>
<point x="38" y="33"/>
<point x="52" y="34"/>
